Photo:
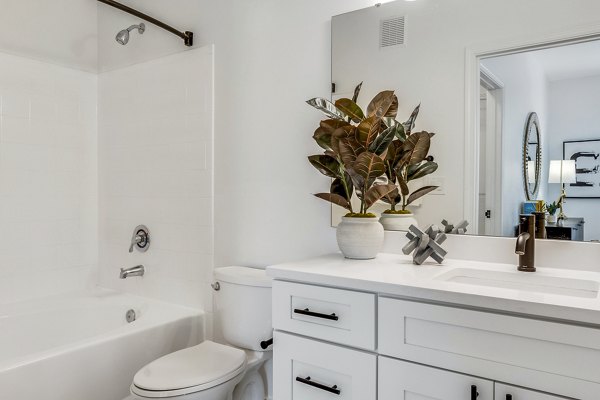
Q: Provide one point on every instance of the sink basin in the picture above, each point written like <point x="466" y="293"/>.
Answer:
<point x="527" y="282"/>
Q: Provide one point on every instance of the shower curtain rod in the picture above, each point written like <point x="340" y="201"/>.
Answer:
<point x="187" y="36"/>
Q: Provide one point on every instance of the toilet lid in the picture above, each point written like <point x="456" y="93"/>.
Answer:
<point x="196" y="368"/>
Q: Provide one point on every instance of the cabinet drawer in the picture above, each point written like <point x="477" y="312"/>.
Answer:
<point x="340" y="316"/>
<point x="399" y="380"/>
<point x="306" y="369"/>
<point x="507" y="392"/>
<point x="546" y="356"/>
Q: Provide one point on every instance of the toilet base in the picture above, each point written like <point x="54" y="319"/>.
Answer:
<point x="254" y="384"/>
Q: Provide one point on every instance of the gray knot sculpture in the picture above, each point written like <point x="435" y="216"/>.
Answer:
<point x="425" y="244"/>
<point x="459" y="229"/>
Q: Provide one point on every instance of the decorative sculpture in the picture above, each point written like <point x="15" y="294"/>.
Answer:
<point x="425" y="244"/>
<point x="459" y="229"/>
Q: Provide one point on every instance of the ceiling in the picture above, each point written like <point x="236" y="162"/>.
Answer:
<point x="570" y="61"/>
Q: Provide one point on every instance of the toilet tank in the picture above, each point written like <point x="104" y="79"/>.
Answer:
<point x="243" y="306"/>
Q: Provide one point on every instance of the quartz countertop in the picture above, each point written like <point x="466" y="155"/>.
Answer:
<point x="396" y="276"/>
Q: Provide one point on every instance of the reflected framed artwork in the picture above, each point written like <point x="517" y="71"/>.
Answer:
<point x="586" y="154"/>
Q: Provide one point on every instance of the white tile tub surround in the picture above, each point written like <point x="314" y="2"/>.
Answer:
<point x="155" y="162"/>
<point x="48" y="184"/>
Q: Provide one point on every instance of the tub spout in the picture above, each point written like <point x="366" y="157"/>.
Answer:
<point x="134" y="271"/>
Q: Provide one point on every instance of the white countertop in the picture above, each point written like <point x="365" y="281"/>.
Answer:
<point x="396" y="275"/>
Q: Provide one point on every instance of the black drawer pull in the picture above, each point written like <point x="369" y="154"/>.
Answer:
<point x="333" y="389"/>
<point x="509" y="397"/>
<point x="474" y="393"/>
<point x="306" y="311"/>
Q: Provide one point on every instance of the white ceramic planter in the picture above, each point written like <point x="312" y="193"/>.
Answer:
<point x="397" y="222"/>
<point x="551" y="219"/>
<point x="360" y="238"/>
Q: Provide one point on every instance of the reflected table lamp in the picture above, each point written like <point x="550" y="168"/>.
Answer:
<point x="562" y="171"/>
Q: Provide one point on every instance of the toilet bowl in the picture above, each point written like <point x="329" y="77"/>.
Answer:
<point x="213" y="371"/>
<point x="199" y="372"/>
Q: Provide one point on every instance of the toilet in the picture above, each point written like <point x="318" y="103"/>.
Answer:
<point x="213" y="371"/>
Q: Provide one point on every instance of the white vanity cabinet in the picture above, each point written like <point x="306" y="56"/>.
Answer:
<point x="338" y="343"/>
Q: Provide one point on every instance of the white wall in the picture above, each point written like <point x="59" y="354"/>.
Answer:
<point x="48" y="220"/>
<point x="59" y="31"/>
<point x="274" y="58"/>
<point x="573" y="115"/>
<point x="525" y="91"/>
<point x="156" y="168"/>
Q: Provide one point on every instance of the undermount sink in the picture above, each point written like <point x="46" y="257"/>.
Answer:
<point x="528" y="282"/>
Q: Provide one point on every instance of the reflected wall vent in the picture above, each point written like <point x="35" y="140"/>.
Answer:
<point x="391" y="32"/>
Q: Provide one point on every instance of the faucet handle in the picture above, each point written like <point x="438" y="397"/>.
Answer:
<point x="133" y="243"/>
<point x="136" y="239"/>
<point x="140" y="239"/>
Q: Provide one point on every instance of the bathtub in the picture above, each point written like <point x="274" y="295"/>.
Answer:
<point x="81" y="347"/>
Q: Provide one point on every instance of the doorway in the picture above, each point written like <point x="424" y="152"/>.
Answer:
<point x="490" y="157"/>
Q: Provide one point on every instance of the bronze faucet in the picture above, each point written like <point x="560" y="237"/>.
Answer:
<point x="526" y="243"/>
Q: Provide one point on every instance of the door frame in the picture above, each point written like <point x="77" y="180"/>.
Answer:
<point x="473" y="56"/>
<point x="494" y="124"/>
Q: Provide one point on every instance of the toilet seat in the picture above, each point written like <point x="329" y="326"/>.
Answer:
<point x="190" y="370"/>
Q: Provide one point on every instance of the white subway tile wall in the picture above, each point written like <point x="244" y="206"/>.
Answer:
<point x="48" y="179"/>
<point x="156" y="168"/>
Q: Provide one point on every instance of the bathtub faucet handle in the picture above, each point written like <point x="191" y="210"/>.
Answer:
<point x="137" y="239"/>
<point x="140" y="239"/>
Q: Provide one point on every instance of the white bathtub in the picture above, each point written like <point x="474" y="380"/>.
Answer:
<point x="80" y="347"/>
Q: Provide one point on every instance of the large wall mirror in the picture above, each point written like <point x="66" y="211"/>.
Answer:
<point x="535" y="136"/>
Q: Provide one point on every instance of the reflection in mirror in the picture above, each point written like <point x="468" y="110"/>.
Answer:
<point x="368" y="46"/>
<point x="553" y="93"/>
<point x="392" y="47"/>
<point x="532" y="157"/>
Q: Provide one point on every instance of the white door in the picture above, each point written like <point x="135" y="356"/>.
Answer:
<point x="490" y="155"/>
<point x="506" y="392"/>
<point x="400" y="380"/>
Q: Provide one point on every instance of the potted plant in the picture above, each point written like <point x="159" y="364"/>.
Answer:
<point x="355" y="145"/>
<point x="552" y="208"/>
<point x="407" y="160"/>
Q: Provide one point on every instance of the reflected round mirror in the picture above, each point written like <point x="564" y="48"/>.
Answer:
<point x="532" y="156"/>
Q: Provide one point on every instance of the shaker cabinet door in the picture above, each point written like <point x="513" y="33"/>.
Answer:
<point x="507" y="392"/>
<point x="400" y="380"/>
<point x="307" y="369"/>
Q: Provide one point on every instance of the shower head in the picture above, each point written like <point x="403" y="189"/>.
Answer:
<point x="123" y="36"/>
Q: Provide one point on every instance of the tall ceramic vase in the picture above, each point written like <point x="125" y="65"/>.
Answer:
<point x="360" y="238"/>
